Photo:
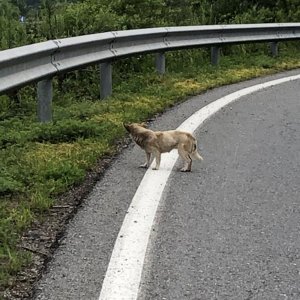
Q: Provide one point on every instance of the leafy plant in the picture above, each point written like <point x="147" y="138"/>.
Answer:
<point x="9" y="186"/>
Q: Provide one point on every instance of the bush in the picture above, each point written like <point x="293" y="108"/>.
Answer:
<point x="9" y="186"/>
<point x="66" y="131"/>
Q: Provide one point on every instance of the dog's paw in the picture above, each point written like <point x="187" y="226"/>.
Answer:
<point x="145" y="166"/>
<point x="185" y="170"/>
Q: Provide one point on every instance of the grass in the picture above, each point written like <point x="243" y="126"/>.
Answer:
<point x="41" y="161"/>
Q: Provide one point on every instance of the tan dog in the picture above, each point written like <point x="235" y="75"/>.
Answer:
<point x="158" y="142"/>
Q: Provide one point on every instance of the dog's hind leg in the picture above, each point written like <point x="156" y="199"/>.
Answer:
<point x="186" y="158"/>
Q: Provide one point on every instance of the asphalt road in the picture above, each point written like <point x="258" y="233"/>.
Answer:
<point x="228" y="230"/>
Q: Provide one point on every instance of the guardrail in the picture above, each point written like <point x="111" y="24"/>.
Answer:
<point x="41" y="62"/>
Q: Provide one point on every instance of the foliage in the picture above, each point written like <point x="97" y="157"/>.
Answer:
<point x="12" y="32"/>
<point x="89" y="17"/>
<point x="52" y="19"/>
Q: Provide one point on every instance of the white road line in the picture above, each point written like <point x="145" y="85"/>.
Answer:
<point x="124" y="271"/>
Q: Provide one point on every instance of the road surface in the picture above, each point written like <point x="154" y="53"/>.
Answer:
<point x="228" y="230"/>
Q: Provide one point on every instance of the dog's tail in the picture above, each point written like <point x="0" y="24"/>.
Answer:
<point x="195" y="154"/>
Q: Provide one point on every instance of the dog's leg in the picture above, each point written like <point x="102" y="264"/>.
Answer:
<point x="148" y="161"/>
<point x="157" y="159"/>
<point x="187" y="167"/>
<point x="190" y="164"/>
<point x="186" y="158"/>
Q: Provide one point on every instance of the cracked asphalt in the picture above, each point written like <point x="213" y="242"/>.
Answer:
<point x="228" y="230"/>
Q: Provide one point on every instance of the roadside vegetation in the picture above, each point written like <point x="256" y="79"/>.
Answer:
<point x="39" y="162"/>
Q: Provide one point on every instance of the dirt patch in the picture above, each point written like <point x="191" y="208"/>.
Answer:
<point x="43" y="236"/>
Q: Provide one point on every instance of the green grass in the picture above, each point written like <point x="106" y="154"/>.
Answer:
<point x="41" y="161"/>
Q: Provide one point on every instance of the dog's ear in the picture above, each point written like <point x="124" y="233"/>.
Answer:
<point x="144" y="125"/>
<point x="126" y="126"/>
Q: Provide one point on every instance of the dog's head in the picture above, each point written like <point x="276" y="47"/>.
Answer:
<point x="131" y="127"/>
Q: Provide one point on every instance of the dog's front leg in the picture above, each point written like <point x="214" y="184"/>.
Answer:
<point x="157" y="155"/>
<point x="147" y="163"/>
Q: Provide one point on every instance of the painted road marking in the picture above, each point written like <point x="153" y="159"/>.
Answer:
<point x="124" y="271"/>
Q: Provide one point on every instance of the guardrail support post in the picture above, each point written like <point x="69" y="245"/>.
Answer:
<point x="105" y="80"/>
<point x="160" y="63"/>
<point x="215" y="55"/>
<point x="274" y="48"/>
<point x="44" y="95"/>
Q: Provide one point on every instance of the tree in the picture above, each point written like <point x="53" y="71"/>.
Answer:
<point x="12" y="32"/>
<point x="139" y="13"/>
<point x="48" y="8"/>
<point x="22" y="6"/>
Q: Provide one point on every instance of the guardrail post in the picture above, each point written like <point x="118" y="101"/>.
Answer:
<point x="160" y="63"/>
<point x="44" y="95"/>
<point x="215" y="55"/>
<point x="105" y="80"/>
<point x="274" y="48"/>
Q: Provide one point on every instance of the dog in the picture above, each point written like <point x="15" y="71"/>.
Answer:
<point x="154" y="143"/>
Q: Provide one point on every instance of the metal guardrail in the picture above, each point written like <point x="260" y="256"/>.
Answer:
<point x="42" y="61"/>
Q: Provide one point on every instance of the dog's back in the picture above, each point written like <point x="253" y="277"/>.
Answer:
<point x="157" y="142"/>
